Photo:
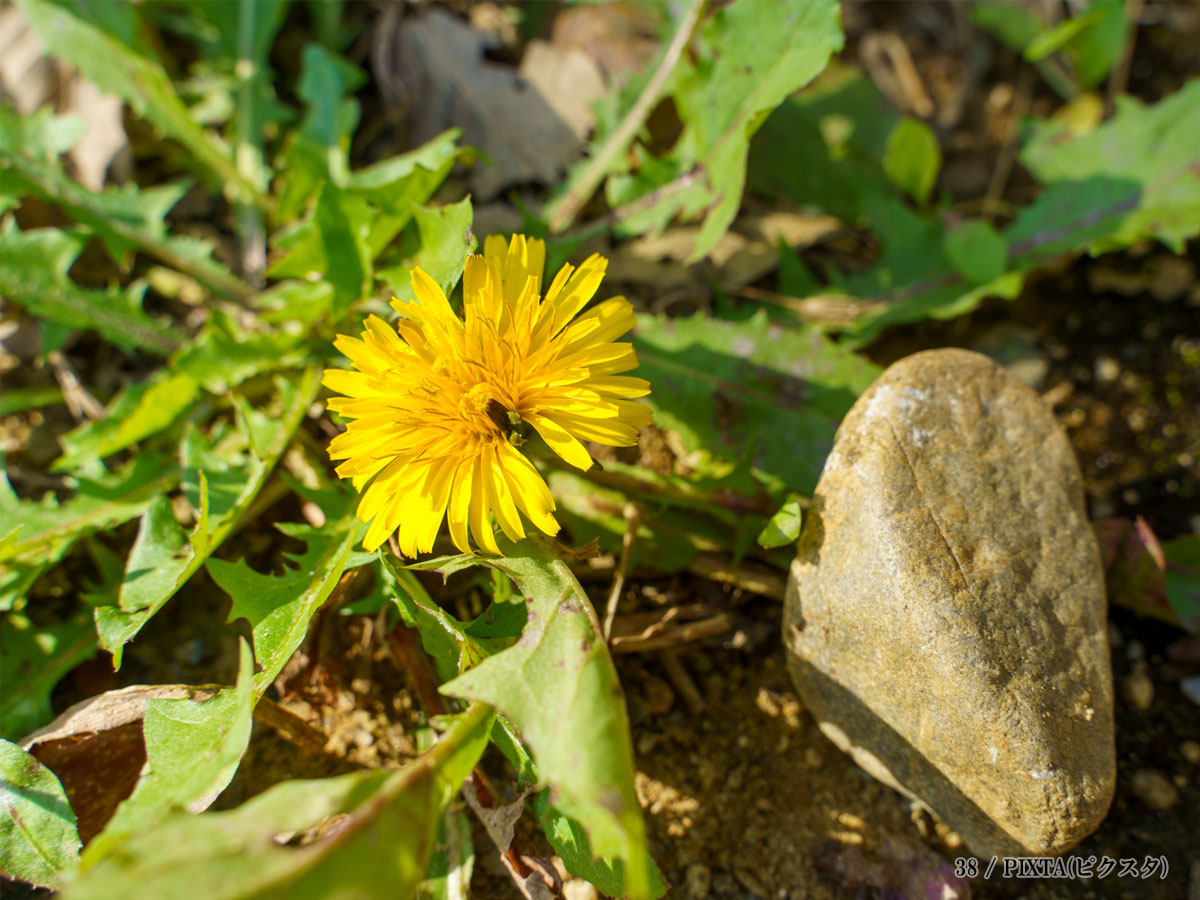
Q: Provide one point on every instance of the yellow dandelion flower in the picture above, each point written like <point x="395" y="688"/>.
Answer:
<point x="439" y="406"/>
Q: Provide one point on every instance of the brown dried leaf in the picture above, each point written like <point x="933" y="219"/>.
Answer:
<point x="97" y="751"/>
<point x="434" y="65"/>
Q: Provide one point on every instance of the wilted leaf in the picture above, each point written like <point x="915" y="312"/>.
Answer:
<point x="38" y="838"/>
<point x="97" y="751"/>
<point x="559" y="687"/>
<point x="380" y="848"/>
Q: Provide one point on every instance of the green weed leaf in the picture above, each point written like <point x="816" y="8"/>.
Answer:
<point x="725" y="386"/>
<point x="559" y="687"/>
<point x="279" y="607"/>
<point x="783" y="527"/>
<point x="33" y="274"/>
<point x="35" y="535"/>
<point x="380" y="849"/>
<point x="977" y="251"/>
<point x="221" y="485"/>
<point x="38" y="836"/>
<point x="124" y="218"/>
<point x="913" y="158"/>
<point x="118" y="65"/>
<point x="192" y="752"/>
<point x="33" y="661"/>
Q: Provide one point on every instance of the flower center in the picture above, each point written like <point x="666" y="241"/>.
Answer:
<point x="474" y="402"/>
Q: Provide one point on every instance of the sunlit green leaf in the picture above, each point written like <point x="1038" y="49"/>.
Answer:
<point x="33" y="274"/>
<point x="446" y="241"/>
<point x="380" y="848"/>
<point x="221" y="483"/>
<point x="747" y="64"/>
<point x="1136" y="176"/>
<point x="783" y="527"/>
<point x="124" y="218"/>
<point x="48" y="528"/>
<point x="559" y="687"/>
<point x="977" y="251"/>
<point x="279" y="607"/>
<point x="38" y="836"/>
<point x="192" y="752"/>
<point x="116" y="65"/>
<point x="913" y="158"/>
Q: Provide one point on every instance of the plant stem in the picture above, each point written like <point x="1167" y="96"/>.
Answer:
<point x="562" y="212"/>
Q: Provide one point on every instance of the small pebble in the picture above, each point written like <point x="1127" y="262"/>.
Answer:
<point x="750" y="883"/>
<point x="578" y="889"/>
<point x="659" y="696"/>
<point x="1107" y="369"/>
<point x="1135" y="651"/>
<point x="1154" y="789"/>
<point x="1190" y="751"/>
<point x="1138" y="689"/>
<point x="699" y="881"/>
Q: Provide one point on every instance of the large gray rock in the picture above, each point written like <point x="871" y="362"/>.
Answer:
<point x="945" y="615"/>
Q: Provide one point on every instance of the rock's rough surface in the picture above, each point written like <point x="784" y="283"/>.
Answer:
<point x="945" y="615"/>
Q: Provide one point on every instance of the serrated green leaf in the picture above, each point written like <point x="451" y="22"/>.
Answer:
<point x="117" y="66"/>
<point x="33" y="274"/>
<point x="977" y="251"/>
<point x="446" y="242"/>
<point x="124" y="218"/>
<point x="279" y="608"/>
<point x="47" y="529"/>
<point x="226" y="354"/>
<point x="192" y="752"/>
<point x="39" y="839"/>
<point x="1135" y="176"/>
<point x="748" y="64"/>
<point x="33" y="660"/>
<point x="913" y="158"/>
<point x="453" y="646"/>
<point x="783" y="527"/>
<point x="380" y="849"/>
<point x="221" y="487"/>
<point x="557" y="684"/>
<point x="156" y="560"/>
<point x="723" y="386"/>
